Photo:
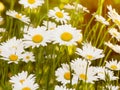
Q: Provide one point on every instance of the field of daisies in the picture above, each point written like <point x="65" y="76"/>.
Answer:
<point x="59" y="45"/>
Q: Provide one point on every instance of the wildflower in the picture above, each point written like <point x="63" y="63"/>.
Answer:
<point x="62" y="88"/>
<point x="23" y="81"/>
<point x="89" y="52"/>
<point x="113" y="65"/>
<point x="104" y="74"/>
<point x="66" y="35"/>
<point x="88" y="76"/>
<point x="59" y="15"/>
<point x="12" y="50"/>
<point x="28" y="56"/>
<point x="112" y="14"/>
<point x="20" y="78"/>
<point x="18" y="16"/>
<point x="115" y="47"/>
<point x="114" y="33"/>
<point x="2" y="30"/>
<point x="77" y="7"/>
<point x="36" y="37"/>
<point x="31" y="3"/>
<point x="63" y="74"/>
<point x="101" y="19"/>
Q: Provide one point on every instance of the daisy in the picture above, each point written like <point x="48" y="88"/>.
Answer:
<point x="113" y="65"/>
<point x="31" y="3"/>
<point x="62" y="88"/>
<point x="63" y="74"/>
<point x="78" y="63"/>
<point x="12" y="50"/>
<point x="59" y="15"/>
<point x="101" y="19"/>
<point x="28" y="56"/>
<point x="89" y="76"/>
<point x="103" y="74"/>
<point x="112" y="14"/>
<point x="66" y="35"/>
<point x="114" y="33"/>
<point x="19" y="16"/>
<point x="115" y="47"/>
<point x="89" y="52"/>
<point x="49" y="25"/>
<point x="36" y="37"/>
<point x="28" y="85"/>
<point x="20" y="78"/>
<point x="77" y="7"/>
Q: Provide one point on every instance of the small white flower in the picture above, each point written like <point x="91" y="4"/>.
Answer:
<point x="63" y="74"/>
<point x="104" y="74"/>
<point x="66" y="35"/>
<point x="36" y="37"/>
<point x="115" y="47"/>
<point x="114" y="33"/>
<point x="101" y="19"/>
<point x="89" y="52"/>
<point x="113" y="65"/>
<point x="2" y="30"/>
<point x="1" y="19"/>
<point x="62" y="88"/>
<point x="31" y="3"/>
<point x="112" y="14"/>
<point x="19" y="16"/>
<point x="28" y="56"/>
<point x="89" y="76"/>
<point x="59" y="15"/>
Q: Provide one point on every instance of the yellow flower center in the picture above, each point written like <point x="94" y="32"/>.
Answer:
<point x="37" y="38"/>
<point x="89" y="57"/>
<point x="27" y="57"/>
<point x="18" y="16"/>
<point x="113" y="67"/>
<point x="83" y="76"/>
<point x="21" y="81"/>
<point x="26" y="88"/>
<point x="66" y="36"/>
<point x="13" y="57"/>
<point x="67" y="75"/>
<point x="31" y="1"/>
<point x="59" y="14"/>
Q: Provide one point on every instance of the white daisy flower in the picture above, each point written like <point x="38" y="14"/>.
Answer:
<point x="28" y="56"/>
<point x="78" y="63"/>
<point x="115" y="47"/>
<point x="12" y="50"/>
<point x="31" y="3"/>
<point x="20" y="78"/>
<point x="27" y="85"/>
<point x="112" y="14"/>
<point x="66" y="35"/>
<point x="19" y="16"/>
<point x="101" y="19"/>
<point x="114" y="33"/>
<point x="111" y="87"/>
<point x="59" y="15"/>
<point x="36" y="37"/>
<point x="89" y="77"/>
<point x="49" y="25"/>
<point x="103" y="74"/>
<point x="89" y="52"/>
<point x="63" y="74"/>
<point x="113" y="65"/>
